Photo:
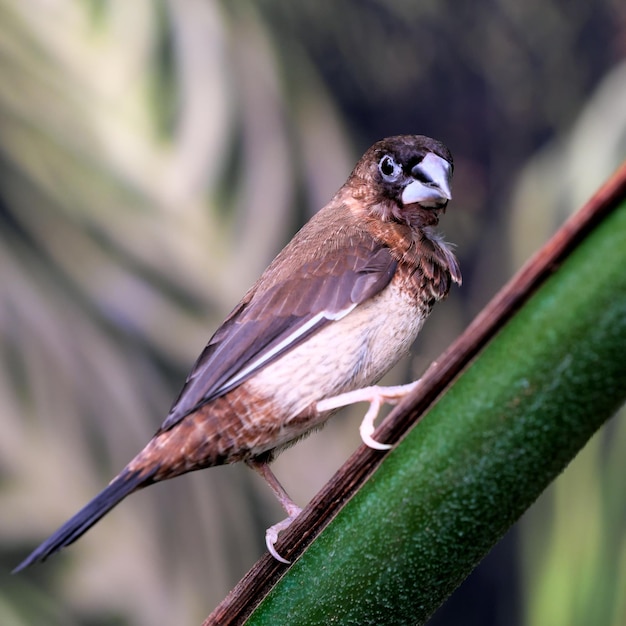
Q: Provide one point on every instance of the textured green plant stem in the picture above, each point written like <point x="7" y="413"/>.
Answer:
<point x="478" y="460"/>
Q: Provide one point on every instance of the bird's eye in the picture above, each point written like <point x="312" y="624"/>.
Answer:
<point x="389" y="169"/>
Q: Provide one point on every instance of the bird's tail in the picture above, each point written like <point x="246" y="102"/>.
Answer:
<point x="121" y="486"/>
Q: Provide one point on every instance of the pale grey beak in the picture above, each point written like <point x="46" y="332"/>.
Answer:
<point x="431" y="184"/>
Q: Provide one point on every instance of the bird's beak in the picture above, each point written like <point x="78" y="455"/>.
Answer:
<point x="430" y="186"/>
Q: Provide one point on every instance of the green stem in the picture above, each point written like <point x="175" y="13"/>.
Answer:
<point x="480" y="457"/>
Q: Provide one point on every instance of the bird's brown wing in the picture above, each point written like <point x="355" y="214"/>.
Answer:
<point x="267" y="324"/>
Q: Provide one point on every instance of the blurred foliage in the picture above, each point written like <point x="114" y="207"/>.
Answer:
<point x="147" y="176"/>
<point x="154" y="156"/>
<point x="574" y="556"/>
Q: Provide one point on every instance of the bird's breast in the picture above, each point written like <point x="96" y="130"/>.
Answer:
<point x="352" y="352"/>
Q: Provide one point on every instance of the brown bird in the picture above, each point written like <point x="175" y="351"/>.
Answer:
<point x="335" y="310"/>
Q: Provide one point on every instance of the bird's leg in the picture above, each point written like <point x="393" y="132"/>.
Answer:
<point x="376" y="396"/>
<point x="291" y="508"/>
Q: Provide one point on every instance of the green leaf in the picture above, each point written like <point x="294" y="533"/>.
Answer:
<point x="480" y="457"/>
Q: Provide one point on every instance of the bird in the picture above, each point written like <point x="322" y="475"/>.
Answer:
<point x="334" y="311"/>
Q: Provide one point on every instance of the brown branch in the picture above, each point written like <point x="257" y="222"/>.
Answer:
<point x="255" y="585"/>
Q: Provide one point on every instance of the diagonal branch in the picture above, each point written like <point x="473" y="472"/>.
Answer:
<point x="242" y="600"/>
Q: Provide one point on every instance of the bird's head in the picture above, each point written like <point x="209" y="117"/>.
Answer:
<point x="404" y="179"/>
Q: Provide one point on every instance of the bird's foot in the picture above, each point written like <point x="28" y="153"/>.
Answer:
<point x="376" y="396"/>
<point x="291" y="508"/>
<point x="271" y="534"/>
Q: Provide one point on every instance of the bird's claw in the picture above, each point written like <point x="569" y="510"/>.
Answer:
<point x="291" y="508"/>
<point x="366" y="429"/>
<point x="376" y="396"/>
<point x="271" y="535"/>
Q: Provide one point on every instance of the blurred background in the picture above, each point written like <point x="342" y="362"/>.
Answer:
<point x="155" y="156"/>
